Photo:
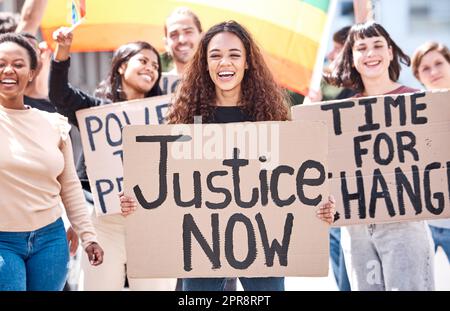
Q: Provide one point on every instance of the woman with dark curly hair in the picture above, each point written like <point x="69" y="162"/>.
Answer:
<point x="228" y="81"/>
<point x="237" y="78"/>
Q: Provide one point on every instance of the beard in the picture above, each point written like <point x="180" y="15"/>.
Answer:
<point x="183" y="57"/>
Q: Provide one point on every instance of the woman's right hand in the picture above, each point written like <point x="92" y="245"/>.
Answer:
<point x="63" y="37"/>
<point x="94" y="253"/>
<point x="127" y="204"/>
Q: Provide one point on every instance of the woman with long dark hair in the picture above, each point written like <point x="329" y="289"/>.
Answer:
<point x="135" y="74"/>
<point x="388" y="256"/>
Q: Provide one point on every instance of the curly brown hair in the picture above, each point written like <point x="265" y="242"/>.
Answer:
<point x="261" y="99"/>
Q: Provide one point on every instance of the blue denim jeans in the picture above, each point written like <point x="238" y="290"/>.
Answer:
<point x="249" y="284"/>
<point x="34" y="260"/>
<point x="441" y="237"/>
<point x="337" y="260"/>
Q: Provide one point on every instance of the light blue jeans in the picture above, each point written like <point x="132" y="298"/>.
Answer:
<point x="249" y="284"/>
<point x="35" y="260"/>
<point x="393" y="256"/>
<point x="337" y="260"/>
<point x="441" y="237"/>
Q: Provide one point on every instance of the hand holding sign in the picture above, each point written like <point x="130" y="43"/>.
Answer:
<point x="127" y="205"/>
<point x="327" y="211"/>
<point x="227" y="213"/>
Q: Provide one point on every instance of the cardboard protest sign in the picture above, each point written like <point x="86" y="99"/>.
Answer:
<point x="101" y="136"/>
<point x="168" y="83"/>
<point x="220" y="200"/>
<point x="389" y="156"/>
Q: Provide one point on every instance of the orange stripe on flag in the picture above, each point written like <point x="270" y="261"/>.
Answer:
<point x="289" y="74"/>
<point x="289" y="31"/>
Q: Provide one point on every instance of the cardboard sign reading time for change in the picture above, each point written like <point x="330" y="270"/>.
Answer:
<point x="218" y="200"/>
<point x="389" y="156"/>
<point x="101" y="136"/>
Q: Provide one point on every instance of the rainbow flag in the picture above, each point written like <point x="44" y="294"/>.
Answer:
<point x="78" y="10"/>
<point x="288" y="31"/>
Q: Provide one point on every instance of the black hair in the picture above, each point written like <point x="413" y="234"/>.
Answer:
<point x="8" y="22"/>
<point x="346" y="75"/>
<point x="111" y="87"/>
<point x="22" y="42"/>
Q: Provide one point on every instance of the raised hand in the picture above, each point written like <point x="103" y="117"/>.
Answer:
<point x="63" y="37"/>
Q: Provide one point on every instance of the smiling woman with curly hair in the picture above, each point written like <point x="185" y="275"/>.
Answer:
<point x="222" y="78"/>
<point x="228" y="81"/>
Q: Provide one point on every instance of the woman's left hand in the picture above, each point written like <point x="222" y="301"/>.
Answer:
<point x="327" y="211"/>
<point x="94" y="253"/>
<point x="72" y="239"/>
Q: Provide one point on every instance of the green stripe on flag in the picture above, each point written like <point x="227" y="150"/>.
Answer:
<point x="320" y="4"/>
